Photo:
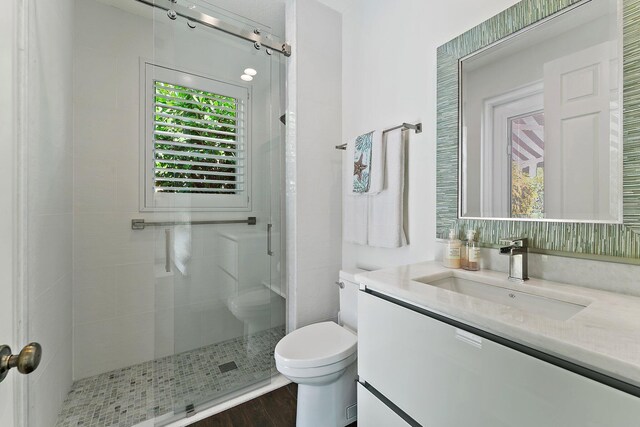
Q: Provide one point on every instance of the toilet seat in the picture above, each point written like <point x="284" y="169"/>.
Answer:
<point x="324" y="373"/>
<point x="315" y="350"/>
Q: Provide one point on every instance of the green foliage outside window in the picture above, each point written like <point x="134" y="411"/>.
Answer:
<point x="194" y="114"/>
<point x="527" y="193"/>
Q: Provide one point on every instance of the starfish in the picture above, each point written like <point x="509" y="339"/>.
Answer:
<point x="358" y="167"/>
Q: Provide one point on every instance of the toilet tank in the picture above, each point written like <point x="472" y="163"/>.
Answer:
<point x="348" y="315"/>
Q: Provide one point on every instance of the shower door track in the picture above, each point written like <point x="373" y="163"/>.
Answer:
<point x="272" y="44"/>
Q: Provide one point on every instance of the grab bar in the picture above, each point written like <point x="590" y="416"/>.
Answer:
<point x="140" y="224"/>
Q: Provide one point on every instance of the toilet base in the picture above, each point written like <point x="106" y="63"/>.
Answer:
<point x="326" y="405"/>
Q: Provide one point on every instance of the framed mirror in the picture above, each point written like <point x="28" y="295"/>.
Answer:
<point x="532" y="139"/>
<point x="540" y="120"/>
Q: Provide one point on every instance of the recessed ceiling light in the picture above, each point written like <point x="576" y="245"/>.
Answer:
<point x="246" y="77"/>
<point x="250" y="71"/>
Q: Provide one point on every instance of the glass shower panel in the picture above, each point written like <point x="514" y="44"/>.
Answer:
<point x="212" y="153"/>
<point x="276" y="156"/>
<point x="166" y="317"/>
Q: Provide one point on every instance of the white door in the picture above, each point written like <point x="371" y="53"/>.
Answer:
<point x="577" y="92"/>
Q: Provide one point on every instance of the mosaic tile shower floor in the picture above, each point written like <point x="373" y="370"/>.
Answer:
<point x="128" y="396"/>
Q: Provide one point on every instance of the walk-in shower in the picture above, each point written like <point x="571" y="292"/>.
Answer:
<point x="178" y="297"/>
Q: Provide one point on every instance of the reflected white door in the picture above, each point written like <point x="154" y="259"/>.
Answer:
<point x="577" y="133"/>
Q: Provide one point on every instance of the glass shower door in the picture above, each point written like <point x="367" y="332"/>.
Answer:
<point x="212" y="176"/>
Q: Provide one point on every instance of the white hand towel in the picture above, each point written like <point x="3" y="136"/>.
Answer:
<point x="354" y="206"/>
<point x="182" y="248"/>
<point x="385" y="226"/>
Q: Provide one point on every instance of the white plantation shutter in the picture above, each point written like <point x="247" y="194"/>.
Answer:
<point x="196" y="141"/>
<point x="196" y="154"/>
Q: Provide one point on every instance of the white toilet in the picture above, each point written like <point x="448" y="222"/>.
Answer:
<point x="321" y="359"/>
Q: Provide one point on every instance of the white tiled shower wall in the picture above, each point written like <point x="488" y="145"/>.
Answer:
<point x="113" y="294"/>
<point x="314" y="205"/>
<point x="49" y="203"/>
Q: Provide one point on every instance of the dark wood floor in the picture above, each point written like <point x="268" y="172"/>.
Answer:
<point x="274" y="409"/>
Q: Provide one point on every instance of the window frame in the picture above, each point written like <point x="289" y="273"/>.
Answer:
<point x="152" y="201"/>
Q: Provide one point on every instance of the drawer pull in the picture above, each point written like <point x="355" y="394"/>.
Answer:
<point x="469" y="338"/>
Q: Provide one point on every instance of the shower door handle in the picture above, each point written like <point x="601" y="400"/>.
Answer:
<point x="269" y="251"/>
<point x="167" y="250"/>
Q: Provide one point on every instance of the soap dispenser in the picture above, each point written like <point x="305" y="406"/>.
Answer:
<point x="452" y="250"/>
<point x="472" y="250"/>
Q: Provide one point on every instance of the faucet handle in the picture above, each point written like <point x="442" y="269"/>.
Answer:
<point x="516" y="242"/>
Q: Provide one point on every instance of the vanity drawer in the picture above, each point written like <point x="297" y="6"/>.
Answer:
<point x="372" y="412"/>
<point x="444" y="376"/>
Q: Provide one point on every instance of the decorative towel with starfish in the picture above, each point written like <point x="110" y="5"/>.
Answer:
<point x="362" y="163"/>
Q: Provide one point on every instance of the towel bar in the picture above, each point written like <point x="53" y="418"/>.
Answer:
<point x="405" y="126"/>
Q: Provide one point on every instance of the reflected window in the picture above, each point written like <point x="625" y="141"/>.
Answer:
<point x="527" y="165"/>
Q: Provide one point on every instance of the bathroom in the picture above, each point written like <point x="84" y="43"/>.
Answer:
<point x="95" y="293"/>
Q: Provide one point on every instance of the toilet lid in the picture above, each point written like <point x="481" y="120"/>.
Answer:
<point x="316" y="345"/>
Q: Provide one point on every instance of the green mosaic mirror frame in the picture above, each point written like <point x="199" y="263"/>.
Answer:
<point x="612" y="242"/>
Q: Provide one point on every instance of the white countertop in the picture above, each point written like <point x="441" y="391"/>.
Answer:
<point x="604" y="336"/>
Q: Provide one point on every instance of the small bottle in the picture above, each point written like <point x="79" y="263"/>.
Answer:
<point x="473" y="252"/>
<point x="451" y="256"/>
<point x="464" y="256"/>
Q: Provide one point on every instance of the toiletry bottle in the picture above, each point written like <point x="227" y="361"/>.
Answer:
<point x="463" y="254"/>
<point x="473" y="252"/>
<point x="451" y="256"/>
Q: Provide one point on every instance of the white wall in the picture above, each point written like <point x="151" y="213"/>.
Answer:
<point x="313" y="165"/>
<point x="49" y="203"/>
<point x="389" y="77"/>
<point x="126" y="308"/>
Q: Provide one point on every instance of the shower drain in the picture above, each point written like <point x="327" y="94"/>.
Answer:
<point x="226" y="367"/>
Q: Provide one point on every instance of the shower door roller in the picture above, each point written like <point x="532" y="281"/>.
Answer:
<point x="26" y="362"/>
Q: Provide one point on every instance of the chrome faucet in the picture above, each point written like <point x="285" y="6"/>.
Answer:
<point x="518" y="259"/>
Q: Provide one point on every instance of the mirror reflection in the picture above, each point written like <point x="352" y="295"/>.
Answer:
<point x="541" y="121"/>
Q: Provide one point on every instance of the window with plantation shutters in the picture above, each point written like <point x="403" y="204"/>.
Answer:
<point x="196" y="142"/>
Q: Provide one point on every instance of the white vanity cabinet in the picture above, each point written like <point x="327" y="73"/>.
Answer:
<point x="435" y="374"/>
<point x="372" y="412"/>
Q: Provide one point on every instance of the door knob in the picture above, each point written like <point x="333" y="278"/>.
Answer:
<point x="26" y="362"/>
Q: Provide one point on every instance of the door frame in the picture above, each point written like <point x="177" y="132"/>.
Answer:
<point x="14" y="30"/>
<point x="495" y="146"/>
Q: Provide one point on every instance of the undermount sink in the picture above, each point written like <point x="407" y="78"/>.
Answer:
<point x="544" y="306"/>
